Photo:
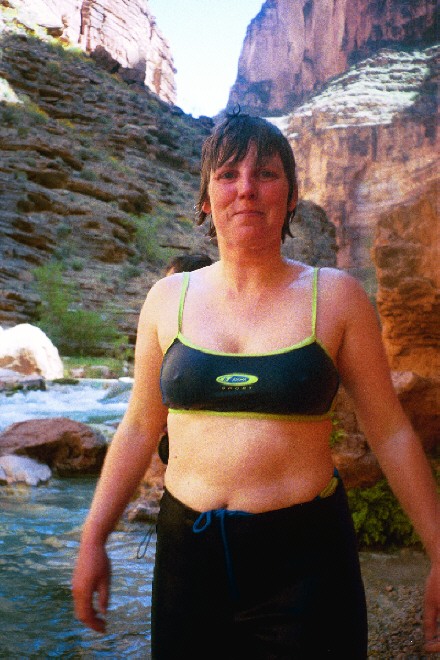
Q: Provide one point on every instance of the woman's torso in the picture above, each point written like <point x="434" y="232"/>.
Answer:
<point x="260" y="461"/>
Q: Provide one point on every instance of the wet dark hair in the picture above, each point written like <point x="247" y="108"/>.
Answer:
<point x="188" y="262"/>
<point x="231" y="140"/>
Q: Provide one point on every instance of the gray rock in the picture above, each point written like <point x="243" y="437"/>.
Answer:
<point x="20" y="469"/>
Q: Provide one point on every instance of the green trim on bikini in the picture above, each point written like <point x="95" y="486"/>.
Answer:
<point x="254" y="415"/>
<point x="184" y="289"/>
<point x="276" y="351"/>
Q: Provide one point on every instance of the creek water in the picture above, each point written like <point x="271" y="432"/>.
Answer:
<point x="39" y="537"/>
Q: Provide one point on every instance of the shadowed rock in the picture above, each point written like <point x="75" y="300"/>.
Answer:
<point x="69" y="448"/>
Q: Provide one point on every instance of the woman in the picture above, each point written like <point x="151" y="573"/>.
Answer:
<point x="256" y="555"/>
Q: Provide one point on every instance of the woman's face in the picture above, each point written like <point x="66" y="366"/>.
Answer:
<point x="248" y="200"/>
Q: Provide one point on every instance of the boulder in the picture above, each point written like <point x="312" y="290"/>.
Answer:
<point x="20" y="469"/>
<point x="27" y="350"/>
<point x="406" y="253"/>
<point x="69" y="448"/>
<point x="154" y="476"/>
<point x="356" y="463"/>
<point x="420" y="398"/>
<point x="13" y="380"/>
<point x="119" y="391"/>
<point x="145" y="507"/>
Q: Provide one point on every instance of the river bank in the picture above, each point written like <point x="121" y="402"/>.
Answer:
<point x="394" y="585"/>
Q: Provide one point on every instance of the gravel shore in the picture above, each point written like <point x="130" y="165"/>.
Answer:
<point x="394" y="585"/>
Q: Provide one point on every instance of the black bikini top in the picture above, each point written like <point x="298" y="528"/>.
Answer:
<point x="298" y="382"/>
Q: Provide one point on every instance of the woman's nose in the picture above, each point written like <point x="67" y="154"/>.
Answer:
<point x="247" y="186"/>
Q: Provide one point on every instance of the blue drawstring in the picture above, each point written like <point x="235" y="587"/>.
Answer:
<point x="143" y="545"/>
<point x="204" y="521"/>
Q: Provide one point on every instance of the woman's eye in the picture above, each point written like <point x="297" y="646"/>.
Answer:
<point x="226" y="174"/>
<point x="267" y="174"/>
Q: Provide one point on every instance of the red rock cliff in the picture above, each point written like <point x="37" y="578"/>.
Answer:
<point x="122" y="35"/>
<point x="407" y="255"/>
<point x="293" y="47"/>
<point x="367" y="145"/>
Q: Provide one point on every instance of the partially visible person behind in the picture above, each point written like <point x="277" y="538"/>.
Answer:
<point x="185" y="263"/>
<point x="256" y="554"/>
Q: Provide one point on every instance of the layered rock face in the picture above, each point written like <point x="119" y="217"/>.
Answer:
<point x="292" y="48"/>
<point x="407" y="255"/>
<point x="93" y="174"/>
<point x="367" y="145"/>
<point x="123" y="36"/>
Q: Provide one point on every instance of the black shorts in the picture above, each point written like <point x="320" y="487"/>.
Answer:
<point x="275" y="585"/>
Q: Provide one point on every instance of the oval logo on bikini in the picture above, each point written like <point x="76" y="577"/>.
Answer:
<point x="237" y="380"/>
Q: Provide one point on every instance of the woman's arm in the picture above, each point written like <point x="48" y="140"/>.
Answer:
<point x="127" y="459"/>
<point x="366" y="376"/>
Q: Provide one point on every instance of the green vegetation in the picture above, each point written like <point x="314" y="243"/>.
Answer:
<point x="129" y="271"/>
<point x="147" y="242"/>
<point x="89" y="175"/>
<point x="337" y="433"/>
<point x="379" y="520"/>
<point x="63" y="231"/>
<point x="73" y="330"/>
<point x="36" y="114"/>
<point x="10" y="114"/>
<point x="117" y="365"/>
<point x="77" y="265"/>
<point x="22" y="114"/>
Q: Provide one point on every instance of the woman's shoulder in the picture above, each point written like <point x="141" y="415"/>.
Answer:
<point x="339" y="280"/>
<point x="163" y="293"/>
<point x="166" y="286"/>
<point x="346" y="294"/>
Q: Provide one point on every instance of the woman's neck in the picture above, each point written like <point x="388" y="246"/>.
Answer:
<point x="243" y="270"/>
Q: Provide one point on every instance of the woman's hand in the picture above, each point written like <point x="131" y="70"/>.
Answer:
<point x="431" y="619"/>
<point x="91" y="576"/>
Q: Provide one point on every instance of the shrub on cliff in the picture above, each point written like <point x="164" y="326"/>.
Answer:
<point x="73" y="330"/>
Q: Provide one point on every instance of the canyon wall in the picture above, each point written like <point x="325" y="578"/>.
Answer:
<point x="95" y="175"/>
<point x="407" y="256"/>
<point x="367" y="152"/>
<point x="293" y="47"/>
<point x="122" y="36"/>
<point x="368" y="144"/>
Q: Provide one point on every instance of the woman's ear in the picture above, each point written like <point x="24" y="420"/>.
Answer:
<point x="294" y="199"/>
<point x="206" y="206"/>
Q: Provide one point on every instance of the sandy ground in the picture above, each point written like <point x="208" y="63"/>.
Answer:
<point x="394" y="585"/>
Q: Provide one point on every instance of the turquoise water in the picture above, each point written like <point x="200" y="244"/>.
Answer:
<point x="39" y="536"/>
<point x="91" y="402"/>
